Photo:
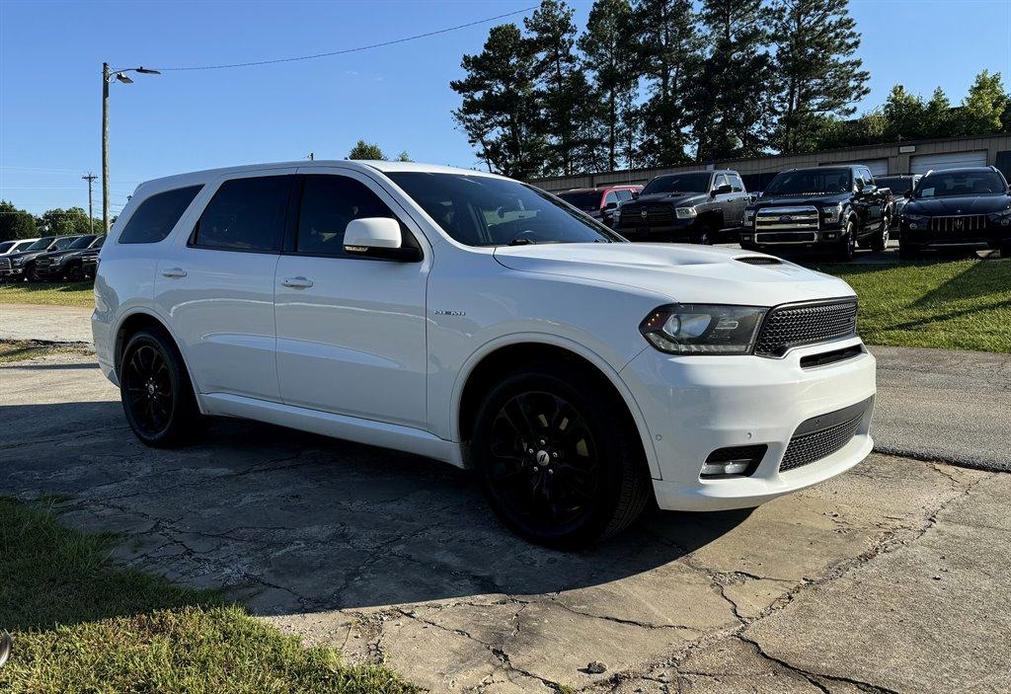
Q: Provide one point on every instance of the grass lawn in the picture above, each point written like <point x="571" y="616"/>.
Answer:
<point x="73" y="294"/>
<point x="20" y="350"/>
<point x="80" y="624"/>
<point x="949" y="305"/>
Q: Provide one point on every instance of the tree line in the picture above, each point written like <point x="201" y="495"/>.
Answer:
<point x="653" y="83"/>
<point x="16" y="223"/>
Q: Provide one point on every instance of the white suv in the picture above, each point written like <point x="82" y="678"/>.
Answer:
<point x="480" y="321"/>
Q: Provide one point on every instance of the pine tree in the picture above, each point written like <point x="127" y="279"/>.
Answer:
<point x="499" y="112"/>
<point x="608" y="56"/>
<point x="819" y="75"/>
<point x="668" y="50"/>
<point x="731" y="103"/>
<point x="563" y="91"/>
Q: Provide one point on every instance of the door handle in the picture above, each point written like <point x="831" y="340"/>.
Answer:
<point x="296" y="282"/>
<point x="173" y="272"/>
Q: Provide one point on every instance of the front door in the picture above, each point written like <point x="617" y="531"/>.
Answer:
<point x="351" y="331"/>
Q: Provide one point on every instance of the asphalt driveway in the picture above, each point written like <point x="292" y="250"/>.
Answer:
<point x="883" y="578"/>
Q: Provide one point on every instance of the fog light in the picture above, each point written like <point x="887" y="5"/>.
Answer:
<point x="831" y="235"/>
<point x="745" y="237"/>
<point x="739" y="461"/>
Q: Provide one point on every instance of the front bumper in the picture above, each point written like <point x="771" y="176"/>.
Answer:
<point x="695" y="405"/>
<point x="826" y="237"/>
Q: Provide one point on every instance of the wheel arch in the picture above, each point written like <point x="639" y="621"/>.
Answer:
<point x="479" y="372"/>
<point x="139" y="319"/>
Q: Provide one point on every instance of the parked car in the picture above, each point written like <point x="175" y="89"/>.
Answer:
<point x="697" y="207"/>
<point x="600" y="203"/>
<point x="22" y="265"/>
<point x="968" y="208"/>
<point x="474" y="319"/>
<point x="901" y="187"/>
<point x="15" y="246"/>
<point x="827" y="209"/>
<point x="66" y="264"/>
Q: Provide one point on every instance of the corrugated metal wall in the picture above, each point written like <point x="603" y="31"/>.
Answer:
<point x="761" y="169"/>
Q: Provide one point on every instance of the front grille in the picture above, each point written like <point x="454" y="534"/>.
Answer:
<point x="960" y="223"/>
<point x="820" y="437"/>
<point x="655" y="215"/>
<point x="792" y="325"/>
<point x="5" y="263"/>
<point x="786" y="218"/>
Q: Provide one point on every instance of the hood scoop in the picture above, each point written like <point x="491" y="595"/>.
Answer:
<point x="759" y="260"/>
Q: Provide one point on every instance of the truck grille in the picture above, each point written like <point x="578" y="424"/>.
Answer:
<point x="791" y="325"/>
<point x="5" y="263"/>
<point x="968" y="222"/>
<point x="794" y="218"/>
<point x="655" y="215"/>
<point x="820" y="437"/>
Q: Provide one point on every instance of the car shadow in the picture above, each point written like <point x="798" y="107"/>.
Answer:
<point x="292" y="522"/>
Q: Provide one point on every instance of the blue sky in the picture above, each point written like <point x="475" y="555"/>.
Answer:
<point x="399" y="96"/>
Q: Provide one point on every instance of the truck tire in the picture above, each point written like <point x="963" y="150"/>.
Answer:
<point x="560" y="462"/>
<point x="879" y="241"/>
<point x="848" y="244"/>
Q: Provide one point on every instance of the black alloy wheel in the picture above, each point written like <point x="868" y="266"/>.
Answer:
<point x="848" y="244"/>
<point x="880" y="242"/>
<point x="555" y="465"/>
<point x="155" y="390"/>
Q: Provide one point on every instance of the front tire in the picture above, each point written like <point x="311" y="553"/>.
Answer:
<point x="880" y="241"/>
<point x="155" y="391"/>
<point x="556" y="463"/>
<point x="848" y="245"/>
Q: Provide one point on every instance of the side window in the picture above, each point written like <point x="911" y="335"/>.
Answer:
<point x="329" y="202"/>
<point x="624" y="195"/>
<point x="611" y="197"/>
<point x="868" y="177"/>
<point x="721" y="180"/>
<point x="155" y="217"/>
<point x="246" y="214"/>
<point x="737" y="183"/>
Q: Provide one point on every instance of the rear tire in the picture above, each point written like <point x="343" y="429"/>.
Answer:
<point x="155" y="390"/>
<point x="557" y="465"/>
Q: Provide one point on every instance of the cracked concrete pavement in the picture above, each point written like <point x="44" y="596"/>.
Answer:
<point x="889" y="578"/>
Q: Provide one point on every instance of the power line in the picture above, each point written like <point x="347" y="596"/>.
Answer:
<point x="344" y="51"/>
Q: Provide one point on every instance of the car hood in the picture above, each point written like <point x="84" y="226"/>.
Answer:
<point x="672" y="198"/>
<point x="678" y="272"/>
<point x="27" y="255"/>
<point x="53" y="255"/>
<point x="789" y="200"/>
<point x="962" y="204"/>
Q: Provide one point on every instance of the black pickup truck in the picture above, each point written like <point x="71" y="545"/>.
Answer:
<point x="697" y="207"/>
<point x="828" y="209"/>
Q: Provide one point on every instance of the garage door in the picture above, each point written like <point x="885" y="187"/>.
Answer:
<point x="921" y="164"/>
<point x="878" y="167"/>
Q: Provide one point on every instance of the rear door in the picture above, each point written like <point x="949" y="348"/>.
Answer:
<point x="216" y="285"/>
<point x="351" y="330"/>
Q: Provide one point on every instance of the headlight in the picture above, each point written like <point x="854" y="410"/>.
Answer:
<point x="18" y="262"/>
<point x="832" y="214"/>
<point x="702" y="328"/>
<point x="686" y="212"/>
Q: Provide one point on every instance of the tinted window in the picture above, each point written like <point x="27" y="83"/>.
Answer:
<point x="897" y="184"/>
<point x="737" y="183"/>
<point x="810" y="181"/>
<point x="6" y="246"/>
<point x="82" y="242"/>
<point x="155" y="217"/>
<point x="42" y="244"/>
<point x="611" y="197"/>
<point x="65" y="243"/>
<point x="679" y="183"/>
<point x="246" y="214"/>
<point x="955" y="182"/>
<point x="721" y="180"/>
<point x="328" y="204"/>
<point x="484" y="211"/>
<point x="588" y="200"/>
<point x="624" y="195"/>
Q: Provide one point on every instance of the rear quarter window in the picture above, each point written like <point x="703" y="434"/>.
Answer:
<point x="158" y="215"/>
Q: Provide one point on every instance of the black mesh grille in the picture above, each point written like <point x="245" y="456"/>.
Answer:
<point x="811" y="446"/>
<point x="803" y="324"/>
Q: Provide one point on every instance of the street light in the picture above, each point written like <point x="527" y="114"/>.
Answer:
<point x="108" y="75"/>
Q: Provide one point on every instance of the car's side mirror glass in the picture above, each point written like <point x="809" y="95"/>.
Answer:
<point x="378" y="237"/>
<point x="611" y="206"/>
<point x="722" y="190"/>
<point x="635" y="195"/>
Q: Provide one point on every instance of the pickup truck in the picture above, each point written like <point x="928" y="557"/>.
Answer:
<point x="829" y="209"/>
<point x="695" y="206"/>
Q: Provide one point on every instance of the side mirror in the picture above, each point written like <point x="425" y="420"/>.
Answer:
<point x="635" y="195"/>
<point x="611" y="206"/>
<point x="378" y="237"/>
<point x="722" y="190"/>
<point x="908" y="194"/>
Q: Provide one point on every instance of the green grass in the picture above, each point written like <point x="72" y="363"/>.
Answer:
<point x="72" y="294"/>
<point x="12" y="351"/>
<point x="947" y="305"/>
<point x="82" y="625"/>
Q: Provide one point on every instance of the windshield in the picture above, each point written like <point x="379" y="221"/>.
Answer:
<point x="679" y="183"/>
<point x="64" y="243"/>
<point x="6" y="246"/>
<point x="41" y="244"/>
<point x="810" y="182"/>
<point x="99" y="242"/>
<point x="482" y="211"/>
<point x="949" y="183"/>
<point x="82" y="242"/>
<point x="588" y="200"/>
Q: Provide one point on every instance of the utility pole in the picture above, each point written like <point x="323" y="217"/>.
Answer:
<point x="105" y="146"/>
<point x="90" y="178"/>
